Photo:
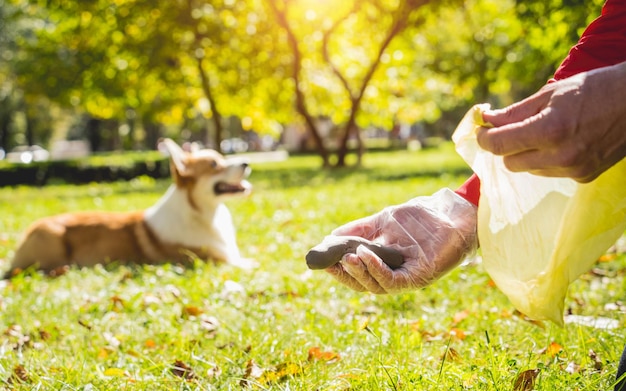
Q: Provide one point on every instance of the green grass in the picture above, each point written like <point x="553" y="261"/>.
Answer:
<point x="127" y="328"/>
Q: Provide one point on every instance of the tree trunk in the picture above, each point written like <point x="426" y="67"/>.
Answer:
<point x="401" y="17"/>
<point x="216" y="115"/>
<point x="5" y="124"/>
<point x="301" y="107"/>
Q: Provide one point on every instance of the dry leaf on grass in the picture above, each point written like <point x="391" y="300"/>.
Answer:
<point x="192" y="311"/>
<point x="451" y="355"/>
<point x="526" y="380"/>
<point x="19" y="375"/>
<point x="253" y="372"/>
<point x="597" y="362"/>
<point x="457" y="333"/>
<point x="315" y="353"/>
<point x="459" y="317"/>
<point x="553" y="349"/>
<point x="182" y="370"/>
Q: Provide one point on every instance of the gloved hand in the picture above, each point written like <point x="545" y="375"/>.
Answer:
<point x="434" y="233"/>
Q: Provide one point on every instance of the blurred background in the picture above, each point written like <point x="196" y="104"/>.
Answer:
<point x="321" y="76"/>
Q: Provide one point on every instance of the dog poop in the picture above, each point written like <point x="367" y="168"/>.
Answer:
<point x="333" y="248"/>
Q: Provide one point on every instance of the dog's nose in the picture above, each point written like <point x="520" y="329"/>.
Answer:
<point x="244" y="165"/>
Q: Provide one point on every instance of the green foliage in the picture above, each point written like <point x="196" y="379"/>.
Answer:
<point x="146" y="61"/>
<point x="281" y="326"/>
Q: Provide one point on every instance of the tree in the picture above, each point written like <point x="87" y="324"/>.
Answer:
<point x="147" y="61"/>
<point x="354" y="74"/>
<point x="159" y="66"/>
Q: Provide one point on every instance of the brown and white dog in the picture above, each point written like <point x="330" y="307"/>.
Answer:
<point x="189" y="220"/>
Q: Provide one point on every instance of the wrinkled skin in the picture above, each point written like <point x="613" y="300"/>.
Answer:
<point x="572" y="128"/>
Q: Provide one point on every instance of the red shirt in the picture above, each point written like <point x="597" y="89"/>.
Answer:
<point x="602" y="44"/>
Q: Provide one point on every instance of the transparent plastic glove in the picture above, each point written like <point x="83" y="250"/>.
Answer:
<point x="434" y="233"/>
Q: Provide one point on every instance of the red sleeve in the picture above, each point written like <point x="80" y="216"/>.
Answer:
<point x="470" y="190"/>
<point x="602" y="44"/>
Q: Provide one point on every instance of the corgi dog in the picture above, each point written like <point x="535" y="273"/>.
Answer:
<point x="190" y="220"/>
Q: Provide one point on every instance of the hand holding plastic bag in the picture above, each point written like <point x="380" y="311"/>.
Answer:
<point x="538" y="234"/>
<point x="434" y="233"/>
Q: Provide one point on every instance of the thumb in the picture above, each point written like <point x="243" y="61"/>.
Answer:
<point x="365" y="228"/>
<point x="519" y="111"/>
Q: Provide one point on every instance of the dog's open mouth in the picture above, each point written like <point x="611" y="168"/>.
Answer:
<point x="231" y="188"/>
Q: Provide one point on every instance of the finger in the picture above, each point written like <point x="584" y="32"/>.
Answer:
<point x="338" y="273"/>
<point x="518" y="111"/>
<point x="526" y="135"/>
<point x="564" y="161"/>
<point x="584" y="177"/>
<point x="549" y="162"/>
<point x="364" y="228"/>
<point x="354" y="265"/>
<point x="378" y="273"/>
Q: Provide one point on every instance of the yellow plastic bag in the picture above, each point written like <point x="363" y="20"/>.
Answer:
<point x="539" y="234"/>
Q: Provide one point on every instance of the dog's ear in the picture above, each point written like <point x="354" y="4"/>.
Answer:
<point x="177" y="155"/>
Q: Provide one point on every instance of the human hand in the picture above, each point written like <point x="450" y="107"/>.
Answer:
<point x="572" y="128"/>
<point x="434" y="234"/>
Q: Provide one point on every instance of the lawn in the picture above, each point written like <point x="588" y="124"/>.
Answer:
<point x="281" y="326"/>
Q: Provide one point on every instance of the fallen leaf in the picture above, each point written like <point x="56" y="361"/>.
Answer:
<point x="44" y="335"/>
<point x="253" y="372"/>
<point x="607" y="257"/>
<point x="183" y="370"/>
<point x="597" y="362"/>
<point x="459" y="317"/>
<point x="192" y="310"/>
<point x="526" y="380"/>
<point x="451" y="355"/>
<point x="315" y="353"/>
<point x="19" y="375"/>
<point x="457" y="333"/>
<point x="117" y="303"/>
<point x="553" y="349"/>
<point x="59" y="271"/>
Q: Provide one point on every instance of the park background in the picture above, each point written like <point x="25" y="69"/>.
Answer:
<point x="364" y="96"/>
<point x="315" y="75"/>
